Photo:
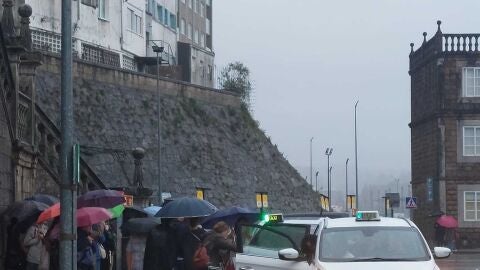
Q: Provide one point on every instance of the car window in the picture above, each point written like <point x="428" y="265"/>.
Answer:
<point x="359" y="243"/>
<point x="267" y="240"/>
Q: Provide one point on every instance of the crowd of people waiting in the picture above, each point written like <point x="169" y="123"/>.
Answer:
<point x="183" y="244"/>
<point x="38" y="247"/>
<point x="180" y="244"/>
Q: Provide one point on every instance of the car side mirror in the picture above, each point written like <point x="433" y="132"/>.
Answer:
<point x="288" y="254"/>
<point x="441" y="252"/>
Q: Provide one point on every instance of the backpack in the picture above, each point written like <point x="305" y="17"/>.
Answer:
<point x="200" y="256"/>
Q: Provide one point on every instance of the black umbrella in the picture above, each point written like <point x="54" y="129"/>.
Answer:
<point x="231" y="215"/>
<point x="43" y="198"/>
<point x="105" y="198"/>
<point x="25" y="212"/>
<point x="140" y="225"/>
<point x="134" y="212"/>
<point x="186" y="207"/>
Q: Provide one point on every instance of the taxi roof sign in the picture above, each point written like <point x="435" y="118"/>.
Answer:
<point x="367" y="216"/>
<point x="274" y="218"/>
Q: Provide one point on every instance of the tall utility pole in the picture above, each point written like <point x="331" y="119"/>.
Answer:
<point x="311" y="169"/>
<point x="357" y="199"/>
<point x="68" y="194"/>
<point x="346" y="184"/>
<point x="158" y="50"/>
<point x="328" y="152"/>
<point x="330" y="188"/>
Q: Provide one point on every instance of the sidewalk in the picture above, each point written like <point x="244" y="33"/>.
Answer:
<point x="467" y="251"/>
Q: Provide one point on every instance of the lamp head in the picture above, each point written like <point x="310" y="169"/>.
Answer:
<point x="157" y="49"/>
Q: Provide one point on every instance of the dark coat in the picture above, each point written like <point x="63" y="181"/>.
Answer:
<point x="191" y="240"/>
<point x="160" y="249"/>
<point x="219" y="248"/>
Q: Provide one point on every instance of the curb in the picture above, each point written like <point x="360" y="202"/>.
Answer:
<point x="467" y="251"/>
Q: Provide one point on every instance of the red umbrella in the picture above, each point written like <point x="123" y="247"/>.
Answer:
<point x="447" y="221"/>
<point x="49" y="213"/>
<point x="87" y="216"/>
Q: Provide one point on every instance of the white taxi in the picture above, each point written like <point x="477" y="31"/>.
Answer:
<point x="366" y="241"/>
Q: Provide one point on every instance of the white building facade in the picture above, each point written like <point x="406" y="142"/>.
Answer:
<point x="110" y="32"/>
<point x="121" y="33"/>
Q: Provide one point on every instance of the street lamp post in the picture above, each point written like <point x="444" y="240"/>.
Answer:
<point x="157" y="50"/>
<point x="330" y="188"/>
<point x="68" y="187"/>
<point x="356" y="160"/>
<point x="311" y="177"/>
<point x="316" y="181"/>
<point x="346" y="184"/>
<point x="328" y="152"/>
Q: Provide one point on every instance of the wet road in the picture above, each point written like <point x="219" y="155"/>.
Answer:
<point x="460" y="262"/>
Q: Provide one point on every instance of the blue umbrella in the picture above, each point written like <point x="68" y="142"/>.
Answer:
<point x="152" y="210"/>
<point x="186" y="207"/>
<point x="231" y="215"/>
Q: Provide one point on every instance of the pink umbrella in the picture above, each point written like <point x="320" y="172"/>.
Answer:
<point x="87" y="216"/>
<point x="447" y="221"/>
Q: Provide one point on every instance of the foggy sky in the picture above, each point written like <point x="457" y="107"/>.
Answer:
<point x="312" y="59"/>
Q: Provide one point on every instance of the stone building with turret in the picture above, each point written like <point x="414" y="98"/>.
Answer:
<point x="445" y="132"/>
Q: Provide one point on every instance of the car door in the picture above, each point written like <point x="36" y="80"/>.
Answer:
<point x="260" y="246"/>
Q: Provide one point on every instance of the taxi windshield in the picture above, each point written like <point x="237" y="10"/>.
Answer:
<point x="373" y="243"/>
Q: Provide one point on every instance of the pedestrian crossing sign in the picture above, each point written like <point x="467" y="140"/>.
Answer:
<point x="411" y="202"/>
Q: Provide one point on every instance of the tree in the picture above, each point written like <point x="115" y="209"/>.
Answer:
<point x="235" y="77"/>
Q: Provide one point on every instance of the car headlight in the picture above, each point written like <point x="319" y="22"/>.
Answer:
<point x="436" y="267"/>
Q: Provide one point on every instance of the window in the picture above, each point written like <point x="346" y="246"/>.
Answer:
<point x="391" y="243"/>
<point x="471" y="81"/>
<point x="472" y="205"/>
<point x="159" y="13"/>
<point x="195" y="6"/>
<point x="190" y="3"/>
<point x="182" y="26"/>
<point x="151" y="6"/>
<point x="267" y="240"/>
<point x="102" y="9"/>
<point x="189" y="31"/>
<point x="196" y="36"/>
<point x="471" y="141"/>
<point x="202" y="9"/>
<point x="202" y="39"/>
<point x="173" y="21"/>
<point x="183" y="1"/>
<point x="92" y="3"/>
<point x="166" y="17"/>
<point x="135" y="22"/>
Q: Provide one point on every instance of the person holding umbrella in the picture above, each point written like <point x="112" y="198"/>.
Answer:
<point x="192" y="209"/>
<point x="161" y="247"/>
<point x="220" y="245"/>
<point x="34" y="243"/>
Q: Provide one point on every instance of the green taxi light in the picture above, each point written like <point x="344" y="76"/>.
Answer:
<point x="367" y="216"/>
<point x="266" y="218"/>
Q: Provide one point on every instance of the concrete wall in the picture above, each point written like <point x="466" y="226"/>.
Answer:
<point x="207" y="139"/>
